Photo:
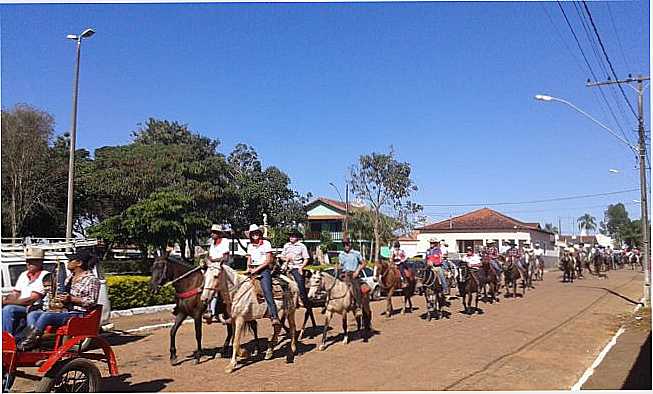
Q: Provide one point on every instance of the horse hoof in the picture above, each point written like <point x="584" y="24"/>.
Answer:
<point x="345" y="341"/>
<point x="230" y="368"/>
<point x="196" y="362"/>
<point x="268" y="355"/>
<point x="290" y="359"/>
<point x="173" y="361"/>
<point x="321" y="348"/>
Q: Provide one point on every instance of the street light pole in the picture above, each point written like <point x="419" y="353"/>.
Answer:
<point x="73" y="132"/>
<point x="346" y="220"/>
<point x="639" y="150"/>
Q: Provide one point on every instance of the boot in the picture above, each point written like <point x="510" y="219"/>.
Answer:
<point x="31" y="340"/>
<point x="276" y="322"/>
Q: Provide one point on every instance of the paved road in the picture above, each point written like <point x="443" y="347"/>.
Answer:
<point x="543" y="341"/>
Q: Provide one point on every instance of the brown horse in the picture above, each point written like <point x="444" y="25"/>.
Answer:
<point x="491" y="281"/>
<point x="389" y="278"/>
<point x="188" y="289"/>
<point x="567" y="266"/>
<point x="468" y="285"/>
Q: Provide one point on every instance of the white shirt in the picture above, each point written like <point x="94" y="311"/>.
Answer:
<point x="445" y="251"/>
<point x="26" y="287"/>
<point x="473" y="261"/>
<point x="504" y="248"/>
<point x="259" y="252"/>
<point x="295" y="253"/>
<point x="217" y="251"/>
<point x="539" y="252"/>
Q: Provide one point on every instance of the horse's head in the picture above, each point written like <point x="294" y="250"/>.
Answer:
<point x="315" y="283"/>
<point x="211" y="281"/>
<point x="159" y="273"/>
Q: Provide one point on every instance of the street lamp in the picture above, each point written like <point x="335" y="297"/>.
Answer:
<point x="346" y="224"/>
<point x="71" y="160"/>
<point x="638" y="150"/>
<point x="613" y="171"/>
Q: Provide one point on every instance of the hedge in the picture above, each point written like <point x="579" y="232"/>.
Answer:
<point x="131" y="291"/>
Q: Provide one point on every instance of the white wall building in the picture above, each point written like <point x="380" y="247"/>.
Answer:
<point x="478" y="227"/>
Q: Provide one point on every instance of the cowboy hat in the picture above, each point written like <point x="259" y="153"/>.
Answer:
<point x="220" y="228"/>
<point x="254" y="228"/>
<point x="433" y="240"/>
<point x="490" y="242"/>
<point x="295" y="232"/>
<point x="34" y="254"/>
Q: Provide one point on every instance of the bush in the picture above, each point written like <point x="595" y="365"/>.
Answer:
<point x="131" y="291"/>
<point x="127" y="267"/>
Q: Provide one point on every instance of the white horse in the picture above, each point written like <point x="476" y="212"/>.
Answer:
<point x="238" y="293"/>
<point x="339" y="300"/>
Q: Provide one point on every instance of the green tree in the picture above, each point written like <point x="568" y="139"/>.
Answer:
<point x="385" y="184"/>
<point x="587" y="222"/>
<point x="26" y="132"/>
<point x="163" y="132"/>
<point x="550" y="227"/>
<point x="616" y="217"/>
<point x="631" y="233"/>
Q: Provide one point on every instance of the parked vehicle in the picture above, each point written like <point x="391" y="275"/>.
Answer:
<point x="12" y="264"/>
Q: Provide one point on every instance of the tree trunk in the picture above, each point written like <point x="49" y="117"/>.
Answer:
<point x="13" y="214"/>
<point x="375" y="256"/>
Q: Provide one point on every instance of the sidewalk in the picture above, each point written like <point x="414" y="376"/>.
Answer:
<point x="628" y="364"/>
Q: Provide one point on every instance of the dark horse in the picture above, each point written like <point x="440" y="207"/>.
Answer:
<point x="467" y="285"/>
<point x="432" y="292"/>
<point x="511" y="274"/>
<point x="188" y="291"/>
<point x="389" y="279"/>
<point x="567" y="265"/>
<point x="491" y="280"/>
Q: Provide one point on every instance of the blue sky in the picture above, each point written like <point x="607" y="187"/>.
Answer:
<point x="313" y="86"/>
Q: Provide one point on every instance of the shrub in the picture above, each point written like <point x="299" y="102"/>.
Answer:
<point x="131" y="291"/>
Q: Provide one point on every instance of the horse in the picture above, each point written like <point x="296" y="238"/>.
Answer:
<point x="467" y="285"/>
<point x="598" y="261"/>
<point x="567" y="267"/>
<point x="538" y="268"/>
<point x="187" y="301"/>
<point x="491" y="280"/>
<point x="635" y="259"/>
<point x="389" y="278"/>
<point x="340" y="300"/>
<point x="239" y="292"/>
<point x="578" y="264"/>
<point x="433" y="293"/>
<point x="308" y="314"/>
<point x="511" y="274"/>
<point x="529" y="261"/>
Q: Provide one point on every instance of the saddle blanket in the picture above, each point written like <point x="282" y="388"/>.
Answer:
<point x="279" y="287"/>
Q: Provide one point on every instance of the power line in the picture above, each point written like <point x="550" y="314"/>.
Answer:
<point x="534" y="201"/>
<point x="589" y="66"/>
<point x="608" y="58"/>
<point x="623" y="54"/>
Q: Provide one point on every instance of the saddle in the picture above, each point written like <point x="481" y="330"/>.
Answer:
<point x="279" y="288"/>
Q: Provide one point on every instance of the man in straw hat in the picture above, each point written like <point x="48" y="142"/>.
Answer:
<point x="350" y="263"/>
<point x="29" y="290"/>
<point x="434" y="259"/>
<point x="219" y="248"/>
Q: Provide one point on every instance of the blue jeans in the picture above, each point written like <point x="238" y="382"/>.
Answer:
<point x="299" y="279"/>
<point x="40" y="319"/>
<point x="496" y="266"/>
<point x="402" y="269"/>
<point x="13" y="318"/>
<point x="266" y="286"/>
<point x="443" y="280"/>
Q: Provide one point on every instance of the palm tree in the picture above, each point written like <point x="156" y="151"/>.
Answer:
<point x="587" y="222"/>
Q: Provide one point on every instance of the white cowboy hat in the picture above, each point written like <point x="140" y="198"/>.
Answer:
<point x="433" y="240"/>
<point x="490" y="242"/>
<point x="537" y="244"/>
<point x="34" y="254"/>
<point x="253" y="228"/>
<point x="220" y="228"/>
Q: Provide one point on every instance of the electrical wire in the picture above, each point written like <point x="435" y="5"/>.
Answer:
<point x="607" y="58"/>
<point x="566" y="198"/>
<point x="616" y="34"/>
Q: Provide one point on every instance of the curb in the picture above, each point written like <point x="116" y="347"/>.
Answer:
<point x="142" y="310"/>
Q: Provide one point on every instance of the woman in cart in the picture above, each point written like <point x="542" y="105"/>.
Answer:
<point x="80" y="294"/>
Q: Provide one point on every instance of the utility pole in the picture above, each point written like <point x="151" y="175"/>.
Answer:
<point x="642" y="175"/>
<point x="346" y="235"/>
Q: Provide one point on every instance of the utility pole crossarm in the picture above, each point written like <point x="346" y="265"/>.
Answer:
<point x="627" y="80"/>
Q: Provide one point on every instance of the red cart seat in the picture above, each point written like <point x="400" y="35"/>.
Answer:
<point x="87" y="325"/>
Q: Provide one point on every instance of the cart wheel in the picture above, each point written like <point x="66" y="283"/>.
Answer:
<point x="7" y="381"/>
<point x="76" y="375"/>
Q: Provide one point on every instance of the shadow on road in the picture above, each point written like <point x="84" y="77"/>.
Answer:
<point x="623" y="297"/>
<point x="119" y="338"/>
<point x="639" y="377"/>
<point x="120" y="383"/>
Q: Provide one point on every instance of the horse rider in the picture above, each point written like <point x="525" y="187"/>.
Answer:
<point x="296" y="256"/>
<point x="434" y="260"/>
<point x="80" y="295"/>
<point x="474" y="263"/>
<point x="399" y="257"/>
<point x="259" y="263"/>
<point x="350" y="263"/>
<point x="493" y="253"/>
<point x="218" y="254"/>
<point x="513" y="253"/>
<point x="28" y="292"/>
<point x="505" y="246"/>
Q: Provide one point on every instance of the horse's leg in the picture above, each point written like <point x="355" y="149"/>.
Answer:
<point x="306" y="314"/>
<point x="198" y="337"/>
<point x="225" y="346"/>
<point x="179" y="318"/>
<point x="272" y="343"/>
<point x="327" y="318"/>
<point x="428" y="304"/>
<point x="345" y="340"/>
<point x="292" y="346"/>
<point x="254" y="326"/>
<point x="238" y="329"/>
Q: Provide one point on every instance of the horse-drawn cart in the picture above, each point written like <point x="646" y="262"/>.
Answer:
<point x="67" y="367"/>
